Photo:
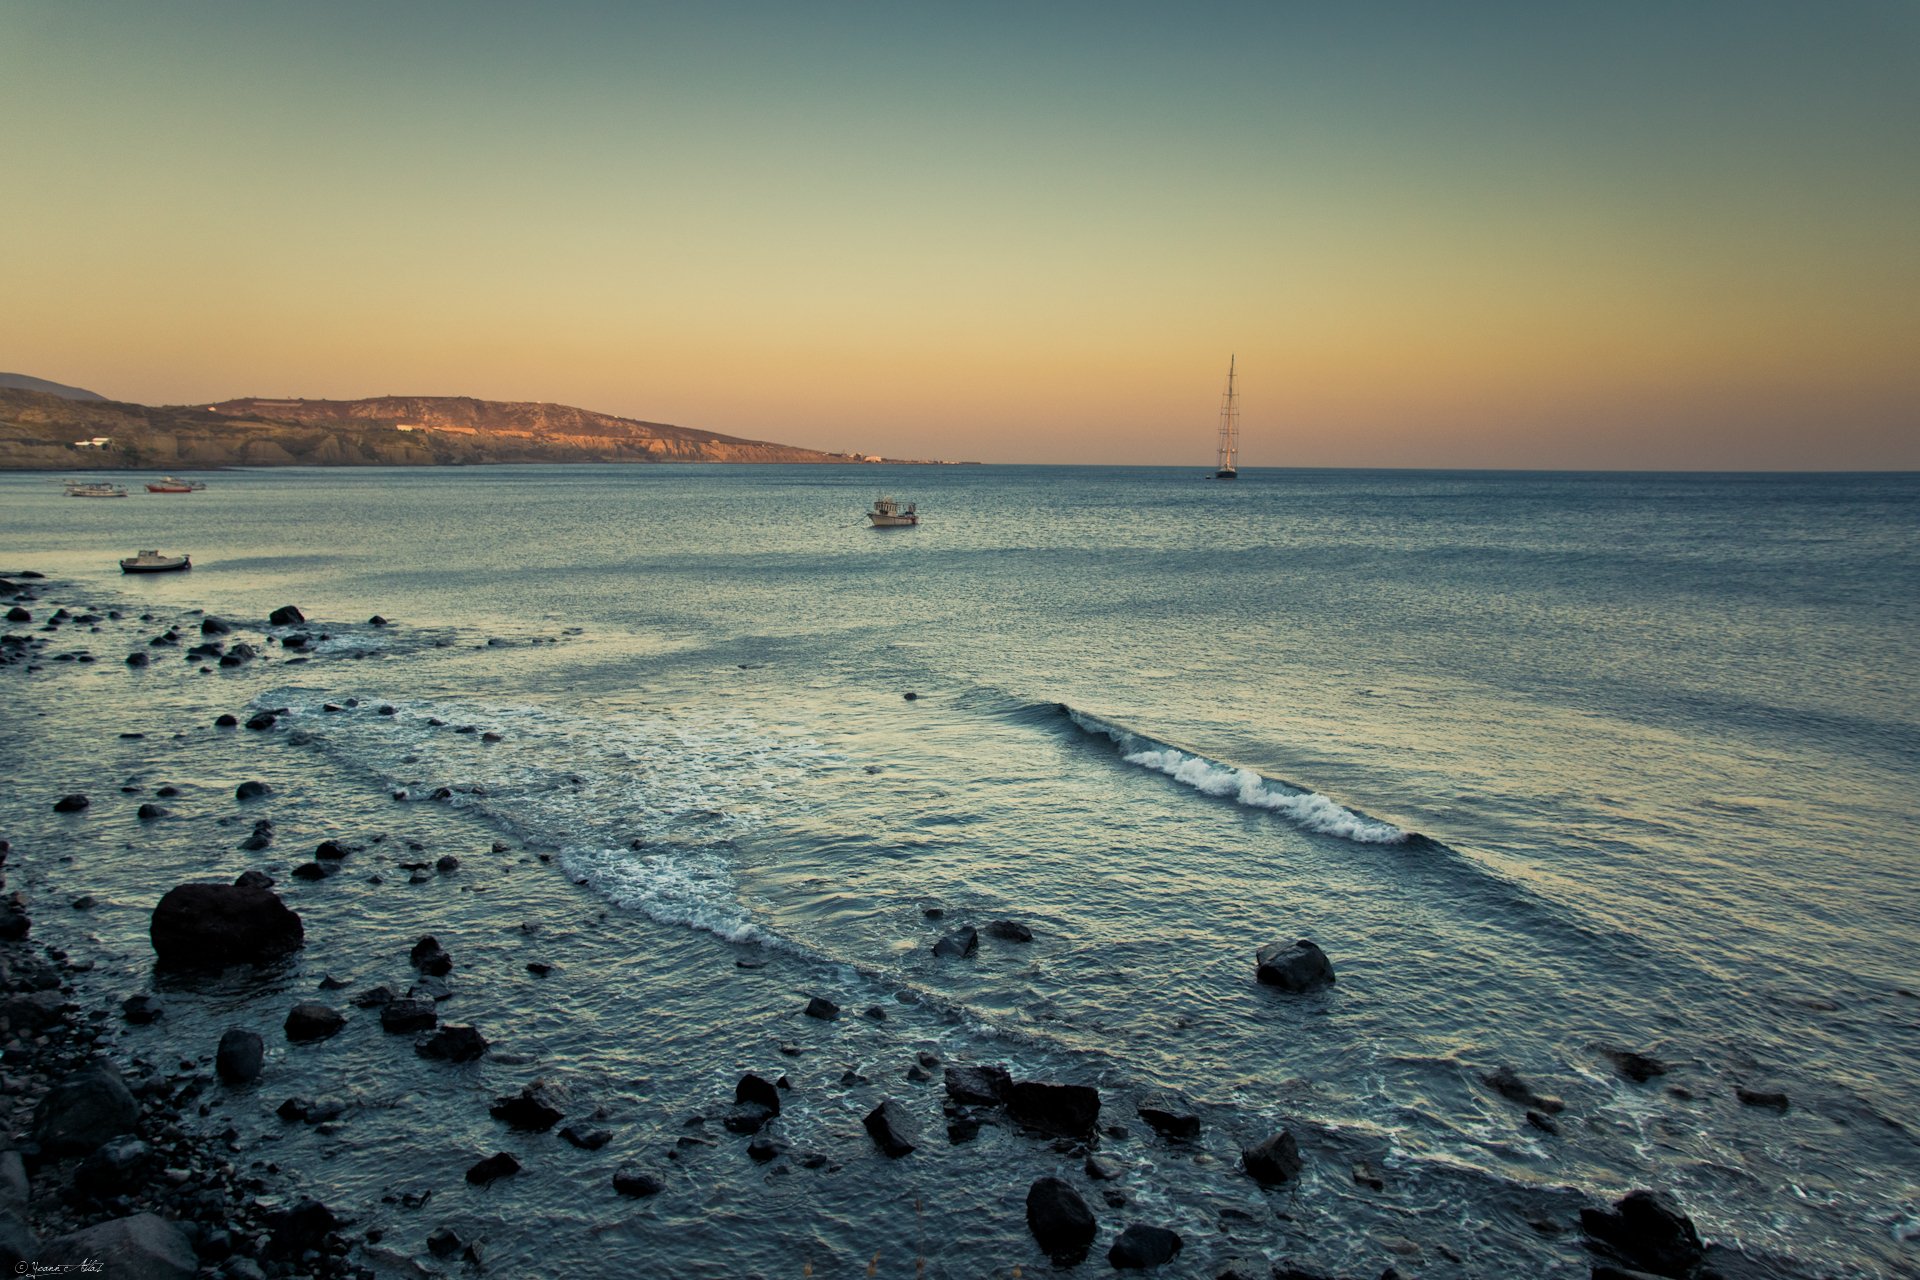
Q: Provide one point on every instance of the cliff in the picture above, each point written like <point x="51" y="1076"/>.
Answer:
<point x="39" y="430"/>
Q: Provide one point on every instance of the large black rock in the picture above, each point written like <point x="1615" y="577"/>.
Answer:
<point x="758" y="1091"/>
<point x="531" y="1109"/>
<point x="84" y="1110"/>
<point x="1301" y="966"/>
<point x="1141" y="1246"/>
<point x="311" y="1020"/>
<point x="453" y="1042"/>
<point x="285" y="616"/>
<point x="211" y="926"/>
<point x="890" y="1128"/>
<point x="1645" y="1234"/>
<point x="1273" y="1161"/>
<point x="1059" y="1220"/>
<point x="959" y="944"/>
<point x="241" y="1056"/>
<point x="978" y="1086"/>
<point x="1170" y="1116"/>
<point x="1067" y="1110"/>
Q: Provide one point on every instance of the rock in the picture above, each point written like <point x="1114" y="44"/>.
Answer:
<point x="1169" y="1116"/>
<point x="285" y="616"/>
<point x="1364" y="1176"/>
<point x="1637" y="1067"/>
<point x="1067" y="1110"/>
<point x="83" y="1111"/>
<point x="144" y="1246"/>
<point x="404" y="1017"/>
<point x="444" y="1243"/>
<point x="71" y="804"/>
<point x="373" y="998"/>
<point x="1009" y="931"/>
<point x="453" y="1042"/>
<point x="17" y="614"/>
<point x="1543" y="1122"/>
<point x="959" y="944"/>
<point x="822" y="1008"/>
<point x="136" y="659"/>
<point x="634" y="1182"/>
<point x="1100" y="1170"/>
<point x="587" y="1138"/>
<point x="253" y="880"/>
<point x="890" y="1128"/>
<point x="212" y="626"/>
<point x="210" y="926"/>
<point x="151" y="813"/>
<point x="757" y="1091"/>
<point x="252" y="790"/>
<point x="1274" y="1161"/>
<point x="531" y="1109"/>
<point x="15" y="923"/>
<point x="312" y="871"/>
<point x="241" y="654"/>
<point x="225" y="720"/>
<point x="497" y="1165"/>
<point x="116" y="1168"/>
<point x="762" y="1150"/>
<point x="1059" y="1220"/>
<point x="240" y="1057"/>
<point x="376" y="621"/>
<point x="260" y="720"/>
<point x="331" y="851"/>
<point x="1141" y="1246"/>
<point x="1644" y="1233"/>
<point x="310" y="1020"/>
<point x="429" y="958"/>
<point x="1299" y="967"/>
<point x="1506" y="1082"/>
<point x="747" y="1117"/>
<point x="1772" y="1098"/>
<point x="142" y="1009"/>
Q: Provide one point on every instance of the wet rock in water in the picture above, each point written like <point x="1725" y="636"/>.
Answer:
<point x="1644" y="1233"/>
<point x="747" y="1117"/>
<point x="332" y="851"/>
<point x="136" y="659"/>
<point x="1170" y="1116"/>
<point x="1364" y="1176"/>
<point x="83" y="1111"/>
<point x="762" y="1150"/>
<point x="586" y="1137"/>
<point x="637" y="1183"/>
<point x="1506" y="1082"/>
<point x="260" y="720"/>
<point x="301" y="1227"/>
<point x="1141" y="1246"/>
<point x="978" y="1086"/>
<point x="539" y="968"/>
<point x="261" y="838"/>
<point x="240" y="1057"/>
<point x="1009" y="931"/>
<point x="757" y="1091"/>
<point x="310" y="1020"/>
<point x="253" y="880"/>
<point x="210" y="926"/>
<point x="1100" y="1170"/>
<point x="531" y="1109"/>
<point x="1773" y="1099"/>
<point x="17" y="614"/>
<point x="497" y="1165"/>
<point x="144" y="1245"/>
<point x="1066" y="1110"/>
<point x="71" y="804"/>
<point x="1544" y="1123"/>
<point x="890" y="1128"/>
<point x="312" y="871"/>
<point x="151" y="812"/>
<point x="376" y="621"/>
<point x="444" y="1242"/>
<point x="1637" y="1067"/>
<point x="962" y="1128"/>
<point x="959" y="944"/>
<point x="15" y="923"/>
<point x="405" y="1017"/>
<point x="1300" y="966"/>
<point x="114" y="1168"/>
<point x="430" y="958"/>
<point x="874" y="1013"/>
<point x="141" y="1009"/>
<point x="252" y="790"/>
<point x="1274" y="1161"/>
<point x="85" y="902"/>
<point x="822" y="1008"/>
<point x="1060" y="1221"/>
<point x="212" y="626"/>
<point x="374" y="997"/>
<point x="447" y="864"/>
<point x="454" y="1042"/>
<point x="285" y="616"/>
<point x="225" y="720"/>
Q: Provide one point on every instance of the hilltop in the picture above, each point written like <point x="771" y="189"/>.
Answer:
<point x="22" y="382"/>
<point x="42" y="430"/>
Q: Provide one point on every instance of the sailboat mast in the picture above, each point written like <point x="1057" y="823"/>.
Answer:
<point x="1229" y="430"/>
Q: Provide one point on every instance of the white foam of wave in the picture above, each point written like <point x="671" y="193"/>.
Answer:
<point x="1308" y="809"/>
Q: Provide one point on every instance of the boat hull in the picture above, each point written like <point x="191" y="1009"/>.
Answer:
<point x="894" y="522"/>
<point x="168" y="488"/>
<point x="171" y="566"/>
<point x="1226" y="475"/>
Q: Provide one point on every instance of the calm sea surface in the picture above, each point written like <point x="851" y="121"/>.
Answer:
<point x="1550" y="765"/>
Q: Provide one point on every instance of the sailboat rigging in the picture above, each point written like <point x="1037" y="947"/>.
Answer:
<point x="1228" y="467"/>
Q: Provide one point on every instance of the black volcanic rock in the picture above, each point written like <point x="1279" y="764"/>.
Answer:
<point x="210" y="926"/>
<point x="1066" y="1110"/>
<point x="252" y="790"/>
<point x="890" y="1128"/>
<point x="1506" y="1082"/>
<point x="1644" y="1233"/>
<point x="1140" y="1247"/>
<point x="1301" y="966"/>
<point x="241" y="1056"/>
<point x="310" y="1020"/>
<point x="285" y="616"/>
<point x="74" y="803"/>
<point x="498" y="1165"/>
<point x="959" y="944"/>
<point x="1273" y="1161"/>
<point x="1009" y="931"/>
<point x="637" y="1183"/>
<point x="532" y="1109"/>
<point x="822" y="1008"/>
<point x="1059" y="1220"/>
<point x="430" y="958"/>
<point x="759" y="1092"/>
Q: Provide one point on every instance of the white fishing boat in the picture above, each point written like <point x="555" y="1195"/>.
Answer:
<point x="1228" y="464"/>
<point x="94" y="489"/>
<point x="888" y="514"/>
<point x="154" y="562"/>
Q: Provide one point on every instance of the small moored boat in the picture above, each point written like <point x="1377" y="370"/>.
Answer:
<point x="94" y="489"/>
<point x="888" y="514"/>
<point x="154" y="562"/>
<point x="173" y="484"/>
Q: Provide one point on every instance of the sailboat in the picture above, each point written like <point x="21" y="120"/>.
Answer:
<point x="1229" y="431"/>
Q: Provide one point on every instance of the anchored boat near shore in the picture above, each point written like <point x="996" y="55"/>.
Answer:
<point x="154" y="562"/>
<point x="173" y="484"/>
<point x="888" y="514"/>
<point x="94" y="489"/>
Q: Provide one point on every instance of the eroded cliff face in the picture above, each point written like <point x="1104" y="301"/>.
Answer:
<point x="38" y="430"/>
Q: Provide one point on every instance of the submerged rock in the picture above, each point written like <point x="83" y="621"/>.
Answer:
<point x="822" y="1008"/>
<point x="430" y="958"/>
<point x="1169" y="1116"/>
<point x="890" y="1128"/>
<point x="1506" y="1082"/>
<point x="311" y="1020"/>
<point x="1274" y="1161"/>
<point x="638" y="1183"/>
<point x="74" y="803"/>
<point x="454" y="1042"/>
<point x="210" y="926"/>
<point x="1637" y="1067"/>
<point x="1141" y="1246"/>
<point x="959" y="944"/>
<point x="1644" y="1233"/>
<point x="1773" y="1099"/>
<point x="252" y="790"/>
<point x="531" y="1109"/>
<point x="1060" y="1221"/>
<point x="142" y="1009"/>
<point x="1301" y="966"/>
<point x="1066" y="1110"/>
<point x="1009" y="931"/>
<point x="497" y="1165"/>
<point x="586" y="1137"/>
<point x="402" y="1017"/>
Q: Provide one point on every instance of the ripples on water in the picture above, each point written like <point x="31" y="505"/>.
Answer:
<point x="1656" y="737"/>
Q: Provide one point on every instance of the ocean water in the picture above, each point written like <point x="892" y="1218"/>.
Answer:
<point x="1550" y="765"/>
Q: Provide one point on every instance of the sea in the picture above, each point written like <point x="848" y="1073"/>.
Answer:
<point x="1554" y="768"/>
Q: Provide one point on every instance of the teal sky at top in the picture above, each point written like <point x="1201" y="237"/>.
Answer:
<point x="1540" y="217"/>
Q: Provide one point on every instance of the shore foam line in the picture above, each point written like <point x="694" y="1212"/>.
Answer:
<point x="1307" y="809"/>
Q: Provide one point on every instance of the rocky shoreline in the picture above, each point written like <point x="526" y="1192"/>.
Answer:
<point x="122" y="1155"/>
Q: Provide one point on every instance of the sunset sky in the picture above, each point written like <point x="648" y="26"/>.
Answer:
<point x="1623" y="234"/>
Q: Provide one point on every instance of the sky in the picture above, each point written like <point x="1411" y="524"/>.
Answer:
<point x="1626" y="234"/>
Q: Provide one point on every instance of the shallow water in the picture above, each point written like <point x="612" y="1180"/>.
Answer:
<point x="1549" y="765"/>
